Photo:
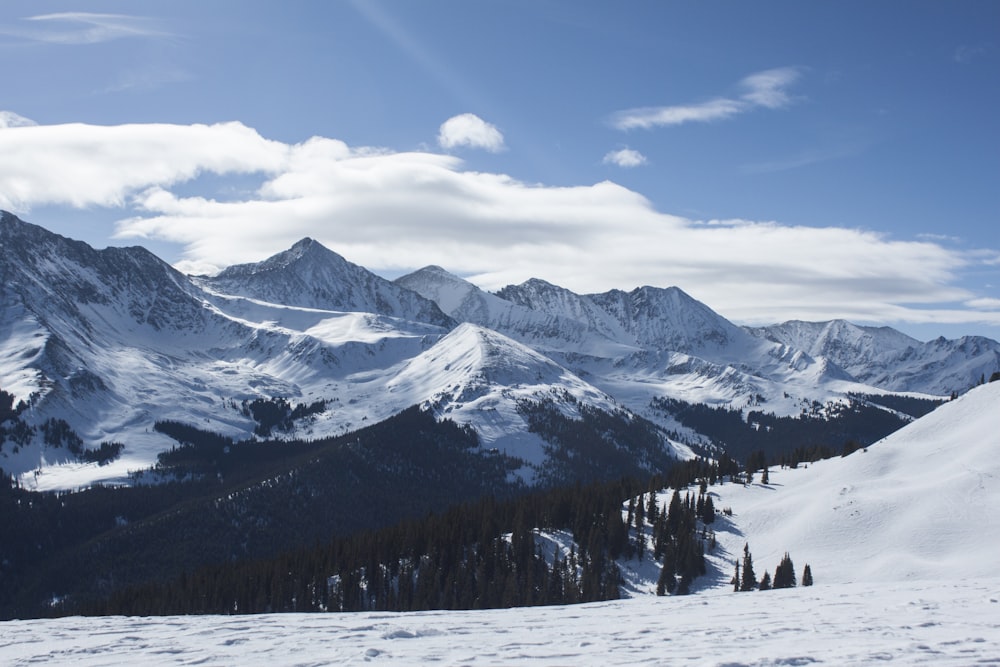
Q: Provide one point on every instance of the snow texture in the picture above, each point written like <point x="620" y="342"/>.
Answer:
<point x="931" y="623"/>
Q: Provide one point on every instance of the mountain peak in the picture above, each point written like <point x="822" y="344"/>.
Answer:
<point x="432" y="273"/>
<point x="434" y="268"/>
<point x="301" y="250"/>
<point x="310" y="275"/>
<point x="304" y="245"/>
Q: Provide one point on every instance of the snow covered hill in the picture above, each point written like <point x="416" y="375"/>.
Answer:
<point x="922" y="504"/>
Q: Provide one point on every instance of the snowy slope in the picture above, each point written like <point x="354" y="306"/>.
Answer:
<point x="477" y="376"/>
<point x="924" y="503"/>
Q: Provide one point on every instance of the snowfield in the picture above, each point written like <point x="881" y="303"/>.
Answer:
<point x="902" y="541"/>
<point x="932" y="623"/>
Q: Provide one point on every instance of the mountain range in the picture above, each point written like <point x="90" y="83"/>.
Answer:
<point x="98" y="346"/>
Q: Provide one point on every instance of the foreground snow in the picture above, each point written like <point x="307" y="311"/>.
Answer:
<point x="935" y="623"/>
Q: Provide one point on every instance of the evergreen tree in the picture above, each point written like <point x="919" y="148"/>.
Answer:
<point x="665" y="583"/>
<point x="765" y="582"/>
<point x="708" y="510"/>
<point x="651" y="509"/>
<point x="749" y="580"/>
<point x="669" y="570"/>
<point x="674" y="513"/>
<point x="736" y="578"/>
<point x="807" y="576"/>
<point x="784" y="574"/>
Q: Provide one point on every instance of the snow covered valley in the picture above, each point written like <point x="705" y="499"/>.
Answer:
<point x="902" y="540"/>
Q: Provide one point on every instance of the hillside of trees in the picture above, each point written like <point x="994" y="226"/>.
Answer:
<point x="596" y="446"/>
<point x="234" y="501"/>
<point x="476" y="555"/>
<point x="819" y="431"/>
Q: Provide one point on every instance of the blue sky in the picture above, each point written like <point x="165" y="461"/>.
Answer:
<point x="777" y="160"/>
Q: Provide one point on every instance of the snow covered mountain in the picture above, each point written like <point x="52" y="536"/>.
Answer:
<point x="643" y="344"/>
<point x="886" y="358"/>
<point x="111" y="341"/>
<point x="552" y="330"/>
<point x="309" y="275"/>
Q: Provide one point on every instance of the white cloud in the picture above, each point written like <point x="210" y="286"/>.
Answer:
<point x="763" y="89"/>
<point x="86" y="165"/>
<point x="470" y="130"/>
<point x="649" y="117"/>
<point x="767" y="89"/>
<point x="84" y="28"/>
<point x="625" y="157"/>
<point x="396" y="212"/>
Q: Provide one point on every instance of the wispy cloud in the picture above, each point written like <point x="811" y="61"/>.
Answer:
<point x="470" y="130"/>
<point x="148" y="79"/>
<point x="804" y="159"/>
<point x="397" y="211"/>
<point x="984" y="303"/>
<point x="76" y="28"/>
<point x="626" y="158"/>
<point x="938" y="238"/>
<point x="765" y="89"/>
<point x="967" y="53"/>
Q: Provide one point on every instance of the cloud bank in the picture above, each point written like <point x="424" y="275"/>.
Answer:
<point x="765" y="89"/>
<point x="394" y="212"/>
